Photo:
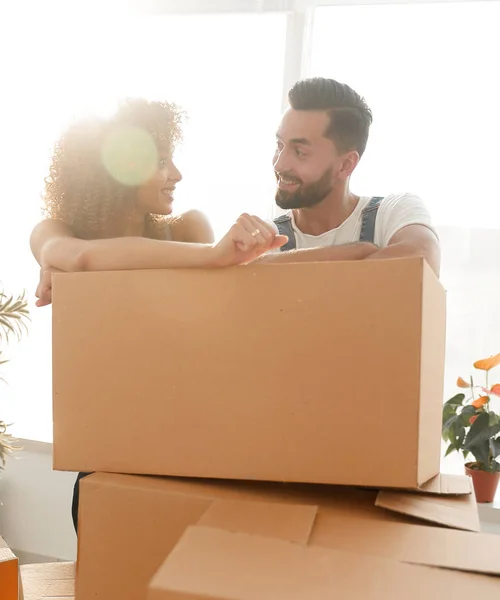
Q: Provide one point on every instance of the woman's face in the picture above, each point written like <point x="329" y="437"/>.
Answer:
<point x="156" y="195"/>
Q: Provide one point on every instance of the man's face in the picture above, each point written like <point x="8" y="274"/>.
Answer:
<point x="306" y="163"/>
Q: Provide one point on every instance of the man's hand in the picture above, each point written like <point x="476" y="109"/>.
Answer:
<point x="44" y="288"/>
<point x="248" y="238"/>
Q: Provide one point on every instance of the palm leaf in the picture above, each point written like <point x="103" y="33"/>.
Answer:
<point x="13" y="323"/>
<point x="14" y="315"/>
<point x="7" y="444"/>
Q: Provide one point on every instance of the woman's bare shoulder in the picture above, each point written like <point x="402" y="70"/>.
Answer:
<point x="192" y="226"/>
<point x="46" y="230"/>
<point x="53" y="226"/>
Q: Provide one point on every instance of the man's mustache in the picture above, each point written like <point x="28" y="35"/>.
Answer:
<point x="287" y="176"/>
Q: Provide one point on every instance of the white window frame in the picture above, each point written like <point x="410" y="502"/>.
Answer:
<point x="300" y="20"/>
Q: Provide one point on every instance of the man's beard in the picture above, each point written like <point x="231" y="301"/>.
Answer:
<point x="307" y="195"/>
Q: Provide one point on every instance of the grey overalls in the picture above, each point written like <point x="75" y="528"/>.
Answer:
<point x="369" y="215"/>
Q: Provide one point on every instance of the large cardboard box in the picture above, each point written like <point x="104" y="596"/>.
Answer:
<point x="128" y="525"/>
<point x="321" y="373"/>
<point x="9" y="574"/>
<point x="48" y="581"/>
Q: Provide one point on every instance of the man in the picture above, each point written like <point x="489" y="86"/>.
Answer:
<point x="320" y="142"/>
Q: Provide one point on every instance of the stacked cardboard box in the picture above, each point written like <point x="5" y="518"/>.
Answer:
<point x="266" y="401"/>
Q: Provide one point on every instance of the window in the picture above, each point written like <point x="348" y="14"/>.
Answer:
<point x="224" y="70"/>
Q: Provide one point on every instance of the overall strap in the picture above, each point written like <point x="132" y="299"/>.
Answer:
<point x="284" y="225"/>
<point x="368" y="218"/>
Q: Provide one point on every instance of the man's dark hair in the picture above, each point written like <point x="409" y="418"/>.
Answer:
<point x="350" y="116"/>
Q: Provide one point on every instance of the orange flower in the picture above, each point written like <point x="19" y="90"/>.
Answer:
<point x="495" y="389"/>
<point x="461" y="383"/>
<point x="486" y="364"/>
<point x="480" y="402"/>
<point x="472" y="419"/>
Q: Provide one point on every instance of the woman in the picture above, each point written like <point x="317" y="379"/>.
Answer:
<point x="108" y="201"/>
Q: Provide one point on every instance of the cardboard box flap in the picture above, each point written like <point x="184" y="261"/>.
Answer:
<point x="411" y="543"/>
<point x="291" y="522"/>
<point x="445" y="484"/>
<point x="457" y="511"/>
<point x="212" y="563"/>
<point x="44" y="581"/>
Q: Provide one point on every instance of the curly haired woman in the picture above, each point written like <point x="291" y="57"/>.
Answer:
<point x="108" y="201"/>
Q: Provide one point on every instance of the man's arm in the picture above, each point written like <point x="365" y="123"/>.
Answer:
<point x="356" y="251"/>
<point x="412" y="240"/>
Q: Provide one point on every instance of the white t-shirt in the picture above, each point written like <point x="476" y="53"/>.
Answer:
<point x="395" y="212"/>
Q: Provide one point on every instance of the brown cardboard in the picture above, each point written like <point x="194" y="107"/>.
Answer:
<point x="292" y="522"/>
<point x="408" y="542"/>
<point x="316" y="373"/>
<point x="212" y="563"/>
<point x="130" y="524"/>
<point x="445" y="499"/>
<point x="9" y="575"/>
<point x="44" y="581"/>
<point x="459" y="512"/>
<point x="432" y="353"/>
<point x="447" y="484"/>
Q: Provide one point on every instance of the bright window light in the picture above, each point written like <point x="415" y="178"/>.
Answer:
<point x="225" y="71"/>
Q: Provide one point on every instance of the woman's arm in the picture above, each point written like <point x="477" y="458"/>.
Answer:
<point x="46" y="233"/>
<point x="54" y="246"/>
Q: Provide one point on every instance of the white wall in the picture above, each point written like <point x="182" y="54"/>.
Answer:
<point x="35" y="516"/>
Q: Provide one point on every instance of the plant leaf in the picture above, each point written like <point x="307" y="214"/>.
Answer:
<point x="448" y="426"/>
<point x="4" y="322"/>
<point x="466" y="414"/>
<point x="451" y="448"/>
<point x="495" y="447"/>
<point x="481" y="453"/>
<point x="13" y="315"/>
<point x="494" y="418"/>
<point x="480" y="431"/>
<point x="457" y="400"/>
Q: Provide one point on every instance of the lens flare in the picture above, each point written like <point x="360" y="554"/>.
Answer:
<point x="130" y="155"/>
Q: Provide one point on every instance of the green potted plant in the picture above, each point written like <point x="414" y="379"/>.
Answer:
<point x="471" y="424"/>
<point x="13" y="317"/>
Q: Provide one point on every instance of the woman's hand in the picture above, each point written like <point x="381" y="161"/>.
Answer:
<point x="248" y="238"/>
<point x="44" y="288"/>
